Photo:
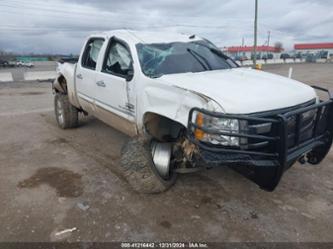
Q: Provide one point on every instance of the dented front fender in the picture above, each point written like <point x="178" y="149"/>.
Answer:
<point x="169" y="101"/>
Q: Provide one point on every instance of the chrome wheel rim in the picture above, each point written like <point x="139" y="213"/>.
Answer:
<point x="161" y="154"/>
<point x="60" y="112"/>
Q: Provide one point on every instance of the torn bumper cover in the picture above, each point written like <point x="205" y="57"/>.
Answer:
<point x="268" y="143"/>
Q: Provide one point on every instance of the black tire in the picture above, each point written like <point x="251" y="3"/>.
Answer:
<point x="67" y="115"/>
<point x="140" y="171"/>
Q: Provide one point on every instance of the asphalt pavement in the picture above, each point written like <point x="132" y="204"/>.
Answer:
<point x="67" y="185"/>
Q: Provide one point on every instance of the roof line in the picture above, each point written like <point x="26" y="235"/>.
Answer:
<point x="134" y="35"/>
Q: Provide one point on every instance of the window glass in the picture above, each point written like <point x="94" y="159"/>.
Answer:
<point x="118" y="59"/>
<point x="91" y="53"/>
<point x="181" y="57"/>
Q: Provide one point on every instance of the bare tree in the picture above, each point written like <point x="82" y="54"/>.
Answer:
<point x="278" y="46"/>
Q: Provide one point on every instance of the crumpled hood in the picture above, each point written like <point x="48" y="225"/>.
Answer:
<point x="244" y="90"/>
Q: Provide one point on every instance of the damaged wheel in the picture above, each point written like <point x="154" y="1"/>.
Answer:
<point x="66" y="114"/>
<point x="147" y="165"/>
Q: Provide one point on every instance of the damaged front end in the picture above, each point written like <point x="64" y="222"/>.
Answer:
<point x="263" y="146"/>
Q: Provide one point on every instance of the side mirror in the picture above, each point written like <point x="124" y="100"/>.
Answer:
<point x="130" y="74"/>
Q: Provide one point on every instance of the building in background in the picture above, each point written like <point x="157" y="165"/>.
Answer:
<point x="320" y="50"/>
<point x="31" y="58"/>
<point x="246" y="52"/>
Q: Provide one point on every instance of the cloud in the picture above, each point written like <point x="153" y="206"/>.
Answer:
<point x="59" y="26"/>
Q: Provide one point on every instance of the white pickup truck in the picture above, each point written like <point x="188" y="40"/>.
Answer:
<point x="188" y="107"/>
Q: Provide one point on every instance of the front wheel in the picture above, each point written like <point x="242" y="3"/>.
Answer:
<point x="67" y="115"/>
<point x="140" y="170"/>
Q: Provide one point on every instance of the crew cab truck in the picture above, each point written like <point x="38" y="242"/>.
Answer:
<point x="188" y="107"/>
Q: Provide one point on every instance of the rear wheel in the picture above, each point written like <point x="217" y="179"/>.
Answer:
<point x="67" y="115"/>
<point x="147" y="166"/>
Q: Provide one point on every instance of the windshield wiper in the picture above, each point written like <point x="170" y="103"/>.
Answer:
<point x="196" y="55"/>
<point x="219" y="53"/>
<point x="229" y="61"/>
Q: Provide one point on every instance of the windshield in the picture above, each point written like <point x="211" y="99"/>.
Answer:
<point x="181" y="57"/>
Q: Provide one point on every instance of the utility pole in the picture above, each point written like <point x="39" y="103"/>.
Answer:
<point x="268" y="38"/>
<point x="255" y="34"/>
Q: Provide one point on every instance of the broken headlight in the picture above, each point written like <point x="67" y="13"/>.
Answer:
<point x="216" y="125"/>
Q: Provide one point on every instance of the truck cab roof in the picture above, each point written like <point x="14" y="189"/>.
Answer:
<point x="137" y="36"/>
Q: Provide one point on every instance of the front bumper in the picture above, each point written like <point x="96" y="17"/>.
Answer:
<point x="304" y="132"/>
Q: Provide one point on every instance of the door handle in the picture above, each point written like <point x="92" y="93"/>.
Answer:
<point x="79" y="76"/>
<point x="100" y="83"/>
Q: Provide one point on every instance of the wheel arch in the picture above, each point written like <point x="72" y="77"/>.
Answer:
<point x="162" y="128"/>
<point x="60" y="84"/>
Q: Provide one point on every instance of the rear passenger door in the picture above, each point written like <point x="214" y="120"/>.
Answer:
<point x="86" y="73"/>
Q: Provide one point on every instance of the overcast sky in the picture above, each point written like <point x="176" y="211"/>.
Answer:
<point x="56" y="26"/>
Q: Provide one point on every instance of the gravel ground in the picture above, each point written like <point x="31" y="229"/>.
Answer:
<point x="53" y="180"/>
